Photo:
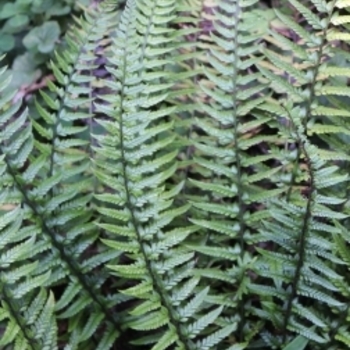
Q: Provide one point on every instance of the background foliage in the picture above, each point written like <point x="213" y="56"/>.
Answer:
<point x="30" y="31"/>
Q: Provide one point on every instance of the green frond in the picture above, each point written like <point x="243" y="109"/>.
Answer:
<point x="53" y="202"/>
<point x="226" y="120"/>
<point x="26" y="309"/>
<point x="139" y="218"/>
<point x="213" y="339"/>
<point x="344" y="337"/>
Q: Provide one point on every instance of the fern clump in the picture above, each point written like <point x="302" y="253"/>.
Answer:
<point x="194" y="195"/>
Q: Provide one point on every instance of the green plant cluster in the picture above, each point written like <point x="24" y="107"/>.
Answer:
<point x="30" y="31"/>
<point x="194" y="197"/>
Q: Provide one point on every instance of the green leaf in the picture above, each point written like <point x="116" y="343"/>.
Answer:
<point x="43" y="38"/>
<point x="9" y="10"/>
<point x="16" y="23"/>
<point x="24" y="71"/>
<point x="299" y="343"/>
<point x="7" y="42"/>
<point x="58" y="10"/>
<point x="50" y="8"/>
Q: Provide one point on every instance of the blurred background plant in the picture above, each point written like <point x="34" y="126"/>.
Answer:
<point x="30" y="31"/>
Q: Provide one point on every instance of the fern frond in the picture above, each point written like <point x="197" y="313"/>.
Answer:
<point x="305" y="242"/>
<point x="310" y="113"/>
<point x="135" y="159"/>
<point x="228" y="121"/>
<point x="54" y="203"/>
<point x="26" y="309"/>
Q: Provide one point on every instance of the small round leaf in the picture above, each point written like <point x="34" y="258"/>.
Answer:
<point x="7" y="42"/>
<point x="16" y="23"/>
<point x="42" y="38"/>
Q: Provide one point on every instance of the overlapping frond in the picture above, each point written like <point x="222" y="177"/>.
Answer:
<point x="46" y="161"/>
<point x="227" y="124"/>
<point x="299" y="234"/>
<point x="136" y="159"/>
<point x="26" y="309"/>
<point x="302" y="264"/>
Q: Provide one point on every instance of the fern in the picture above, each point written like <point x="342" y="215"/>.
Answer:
<point x="230" y="115"/>
<point x="195" y="196"/>
<point x="54" y="206"/>
<point x="309" y="266"/>
<point x="140" y="207"/>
